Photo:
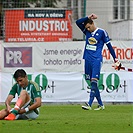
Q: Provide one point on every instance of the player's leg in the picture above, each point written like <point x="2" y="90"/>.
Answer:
<point x="90" y="72"/>
<point x="23" y="98"/>
<point x="29" y="115"/>
<point x="93" y="92"/>
<point x="94" y="81"/>
<point x="3" y="113"/>
<point x="94" y="87"/>
<point x="23" y="116"/>
<point x="87" y="78"/>
<point x="32" y="114"/>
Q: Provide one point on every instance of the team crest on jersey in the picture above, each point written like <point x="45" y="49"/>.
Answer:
<point x="92" y="40"/>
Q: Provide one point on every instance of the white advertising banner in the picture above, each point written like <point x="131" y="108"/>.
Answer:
<point x="59" y="56"/>
<point x="0" y="55"/>
<point x="124" y="52"/>
<point x="72" y="87"/>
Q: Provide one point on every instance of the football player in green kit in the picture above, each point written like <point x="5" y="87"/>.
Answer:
<point x="28" y="102"/>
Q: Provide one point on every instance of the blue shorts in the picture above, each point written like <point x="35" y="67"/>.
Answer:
<point x="92" y="69"/>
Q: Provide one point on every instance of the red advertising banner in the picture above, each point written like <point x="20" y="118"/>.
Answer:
<point x="38" y="25"/>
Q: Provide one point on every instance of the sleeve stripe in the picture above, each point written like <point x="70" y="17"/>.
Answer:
<point x="108" y="42"/>
<point x="36" y="85"/>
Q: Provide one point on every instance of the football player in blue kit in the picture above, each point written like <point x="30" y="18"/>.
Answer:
<point x="95" y="40"/>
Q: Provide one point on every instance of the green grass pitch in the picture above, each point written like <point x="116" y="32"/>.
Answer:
<point x="60" y="118"/>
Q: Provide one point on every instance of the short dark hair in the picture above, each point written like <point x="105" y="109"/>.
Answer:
<point x="90" y="21"/>
<point x="19" y="73"/>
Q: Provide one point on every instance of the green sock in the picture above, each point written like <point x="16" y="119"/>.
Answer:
<point x="15" y="112"/>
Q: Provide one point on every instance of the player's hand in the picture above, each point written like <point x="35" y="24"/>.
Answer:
<point x="21" y="111"/>
<point x="8" y="108"/>
<point x="92" y="16"/>
<point x="117" y="64"/>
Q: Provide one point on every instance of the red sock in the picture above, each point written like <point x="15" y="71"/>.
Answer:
<point x="18" y="103"/>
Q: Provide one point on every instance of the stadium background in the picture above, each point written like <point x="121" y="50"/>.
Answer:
<point x="53" y="56"/>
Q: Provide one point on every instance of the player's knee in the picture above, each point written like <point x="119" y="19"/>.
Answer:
<point x="24" y="93"/>
<point x="97" y="93"/>
<point x="94" y="84"/>
<point x="92" y="93"/>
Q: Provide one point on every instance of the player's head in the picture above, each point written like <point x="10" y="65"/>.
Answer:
<point x="19" y="73"/>
<point x="21" y="77"/>
<point x="89" y="25"/>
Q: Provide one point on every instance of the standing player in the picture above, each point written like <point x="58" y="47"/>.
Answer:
<point x="29" y="99"/>
<point x="95" y="40"/>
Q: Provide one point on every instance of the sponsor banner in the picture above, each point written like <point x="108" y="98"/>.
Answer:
<point x="72" y="87"/>
<point x="17" y="56"/>
<point x="0" y="55"/>
<point x="0" y="65"/>
<point x="60" y="56"/>
<point x="0" y="87"/>
<point x="124" y="52"/>
<point x="38" y="25"/>
<point x="55" y="56"/>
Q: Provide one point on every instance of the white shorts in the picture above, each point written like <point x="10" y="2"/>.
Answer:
<point x="33" y="114"/>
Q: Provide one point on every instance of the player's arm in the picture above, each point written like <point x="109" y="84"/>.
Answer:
<point x="92" y="16"/>
<point x="36" y="104"/>
<point x="37" y="98"/>
<point x="10" y="96"/>
<point x="8" y="102"/>
<point x="111" y="50"/>
<point x="80" y="23"/>
<point x="117" y="64"/>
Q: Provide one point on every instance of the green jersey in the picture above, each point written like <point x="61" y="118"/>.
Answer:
<point x="32" y="89"/>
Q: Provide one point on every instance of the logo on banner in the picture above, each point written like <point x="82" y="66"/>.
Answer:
<point x="18" y="57"/>
<point x="112" y="83"/>
<point x="38" y="25"/>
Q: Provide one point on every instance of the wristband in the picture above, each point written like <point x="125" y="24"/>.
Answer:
<point x="26" y="109"/>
